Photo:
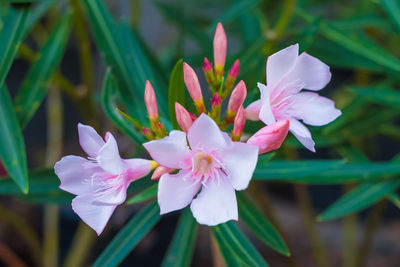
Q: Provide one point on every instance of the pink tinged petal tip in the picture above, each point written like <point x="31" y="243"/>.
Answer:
<point x="207" y="67"/>
<point x="220" y="44"/>
<point x="270" y="137"/>
<point x="238" y="125"/>
<point x="159" y="171"/>
<point x="150" y="100"/>
<point x="216" y="100"/>
<point x="302" y="134"/>
<point x="183" y="117"/>
<point x="138" y="168"/>
<point x="234" y="71"/>
<point x="237" y="97"/>
<point x="253" y="110"/>
<point x="90" y="140"/>
<point x="266" y="115"/>
<point x="192" y="82"/>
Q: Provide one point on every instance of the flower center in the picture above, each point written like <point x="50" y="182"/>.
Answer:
<point x="202" y="164"/>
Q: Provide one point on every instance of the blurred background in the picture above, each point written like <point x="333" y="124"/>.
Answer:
<point x="359" y="40"/>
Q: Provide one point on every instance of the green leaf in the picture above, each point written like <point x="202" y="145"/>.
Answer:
<point x="326" y="171"/>
<point x="259" y="225"/>
<point x="384" y="96"/>
<point x="237" y="245"/>
<point x="392" y="8"/>
<point x="357" y="199"/>
<point x="35" y="85"/>
<point x="395" y="199"/>
<point x="149" y="193"/>
<point x="227" y="251"/>
<point x="129" y="236"/>
<point x="37" y="12"/>
<point x="108" y="92"/>
<point x="360" y="47"/>
<point x="176" y="91"/>
<point x="181" y="249"/>
<point x="10" y="37"/>
<point x="12" y="146"/>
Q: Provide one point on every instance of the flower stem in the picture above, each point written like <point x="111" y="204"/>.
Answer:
<point x="350" y="226"/>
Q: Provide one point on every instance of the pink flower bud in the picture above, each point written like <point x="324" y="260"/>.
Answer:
<point x="193" y="116"/>
<point x="150" y="100"/>
<point x="159" y="171"/>
<point x="238" y="124"/>
<point x="183" y="117"/>
<point x="147" y="133"/>
<point x="270" y="137"/>
<point x="234" y="71"/>
<point x="216" y="100"/>
<point x="220" y="44"/>
<point x="237" y="97"/>
<point x="192" y="82"/>
<point x="207" y="65"/>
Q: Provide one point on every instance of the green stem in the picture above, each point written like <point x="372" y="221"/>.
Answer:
<point x="350" y="227"/>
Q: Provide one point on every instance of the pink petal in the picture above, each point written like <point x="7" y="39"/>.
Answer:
<point x="266" y="114"/>
<point x="239" y="162"/>
<point x="94" y="215"/>
<point x="270" y="137"/>
<point x="89" y="140"/>
<point x="176" y="191"/>
<point x="253" y="110"/>
<point x="110" y="192"/>
<point x="109" y="158"/>
<point x="205" y="133"/>
<point x="314" y="109"/>
<point x="302" y="134"/>
<point x="216" y="203"/>
<point x="192" y="82"/>
<point x="137" y="168"/>
<point x="74" y="173"/>
<point x="281" y="63"/>
<point x="314" y="73"/>
<point x="169" y="151"/>
<point x="220" y="44"/>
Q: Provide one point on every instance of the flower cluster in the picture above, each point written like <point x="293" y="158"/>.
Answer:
<point x="202" y="165"/>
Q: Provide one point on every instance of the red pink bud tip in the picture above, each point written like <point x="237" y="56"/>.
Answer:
<point x="238" y="96"/>
<point x="207" y="65"/>
<point x="216" y="100"/>
<point x="234" y="71"/>
<point x="192" y="82"/>
<point x="270" y="137"/>
<point x="183" y="117"/>
<point x="150" y="100"/>
<point x="220" y="44"/>
<point x="159" y="171"/>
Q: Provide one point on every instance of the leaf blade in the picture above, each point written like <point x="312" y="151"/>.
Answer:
<point x="176" y="91"/>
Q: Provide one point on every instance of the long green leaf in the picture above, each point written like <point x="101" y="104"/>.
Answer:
<point x="239" y="244"/>
<point x="129" y="236"/>
<point x="259" y="225"/>
<point x="12" y="146"/>
<point x="35" y="85"/>
<point x="181" y="249"/>
<point x="228" y="253"/>
<point x="392" y="8"/>
<point x="176" y="91"/>
<point x="357" y="199"/>
<point x="37" y="12"/>
<point x="148" y="193"/>
<point x="10" y="37"/>
<point x="326" y="172"/>
<point x="384" y="96"/>
<point x="108" y="93"/>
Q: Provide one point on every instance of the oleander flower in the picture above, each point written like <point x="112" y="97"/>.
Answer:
<point x="100" y="181"/>
<point x="207" y="159"/>
<point x="281" y="98"/>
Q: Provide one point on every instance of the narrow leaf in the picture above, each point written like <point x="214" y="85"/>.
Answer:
<point x="181" y="249"/>
<point x="129" y="236"/>
<point x="383" y="96"/>
<point x="148" y="193"/>
<point x="259" y="225"/>
<point x="392" y="8"/>
<point x="176" y="91"/>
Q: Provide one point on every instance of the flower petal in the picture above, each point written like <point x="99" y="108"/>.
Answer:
<point x="170" y="150"/>
<point x="270" y="137"/>
<point x="176" y="191"/>
<point x="266" y="114"/>
<point x="239" y="162"/>
<point x="90" y="140"/>
<point x="253" y="110"/>
<point x="94" y="215"/>
<point x="314" y="73"/>
<point x="216" y="203"/>
<point x="205" y="133"/>
<point x="109" y="158"/>
<point x="302" y="134"/>
<point x="137" y="168"/>
<point x="281" y="63"/>
<point x="314" y="109"/>
<point x="74" y="173"/>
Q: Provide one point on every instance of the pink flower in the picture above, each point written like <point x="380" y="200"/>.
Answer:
<point x="270" y="137"/>
<point x="208" y="159"/>
<point x="100" y="182"/>
<point x="287" y="74"/>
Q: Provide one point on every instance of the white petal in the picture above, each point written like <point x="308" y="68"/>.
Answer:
<point x="169" y="151"/>
<point x="74" y="172"/>
<point x="205" y="133"/>
<point x="314" y="109"/>
<point x="253" y="110"/>
<point x="314" y="73"/>
<point x="266" y="114"/>
<point x="176" y="191"/>
<point x="94" y="215"/>
<point x="239" y="162"/>
<point x="281" y="63"/>
<point x="109" y="158"/>
<point x="302" y="134"/>
<point x="90" y="140"/>
<point x="137" y="168"/>
<point x="216" y="203"/>
<point x="110" y="190"/>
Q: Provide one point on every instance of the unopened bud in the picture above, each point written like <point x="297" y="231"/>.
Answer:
<point x="232" y="75"/>
<point x="236" y="100"/>
<point x="159" y="171"/>
<point x="238" y="125"/>
<point x="147" y="133"/>
<point x="208" y="71"/>
<point x="151" y="101"/>
<point x="220" y="44"/>
<point x="270" y="137"/>
<point x="193" y="86"/>
<point x="183" y="117"/>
